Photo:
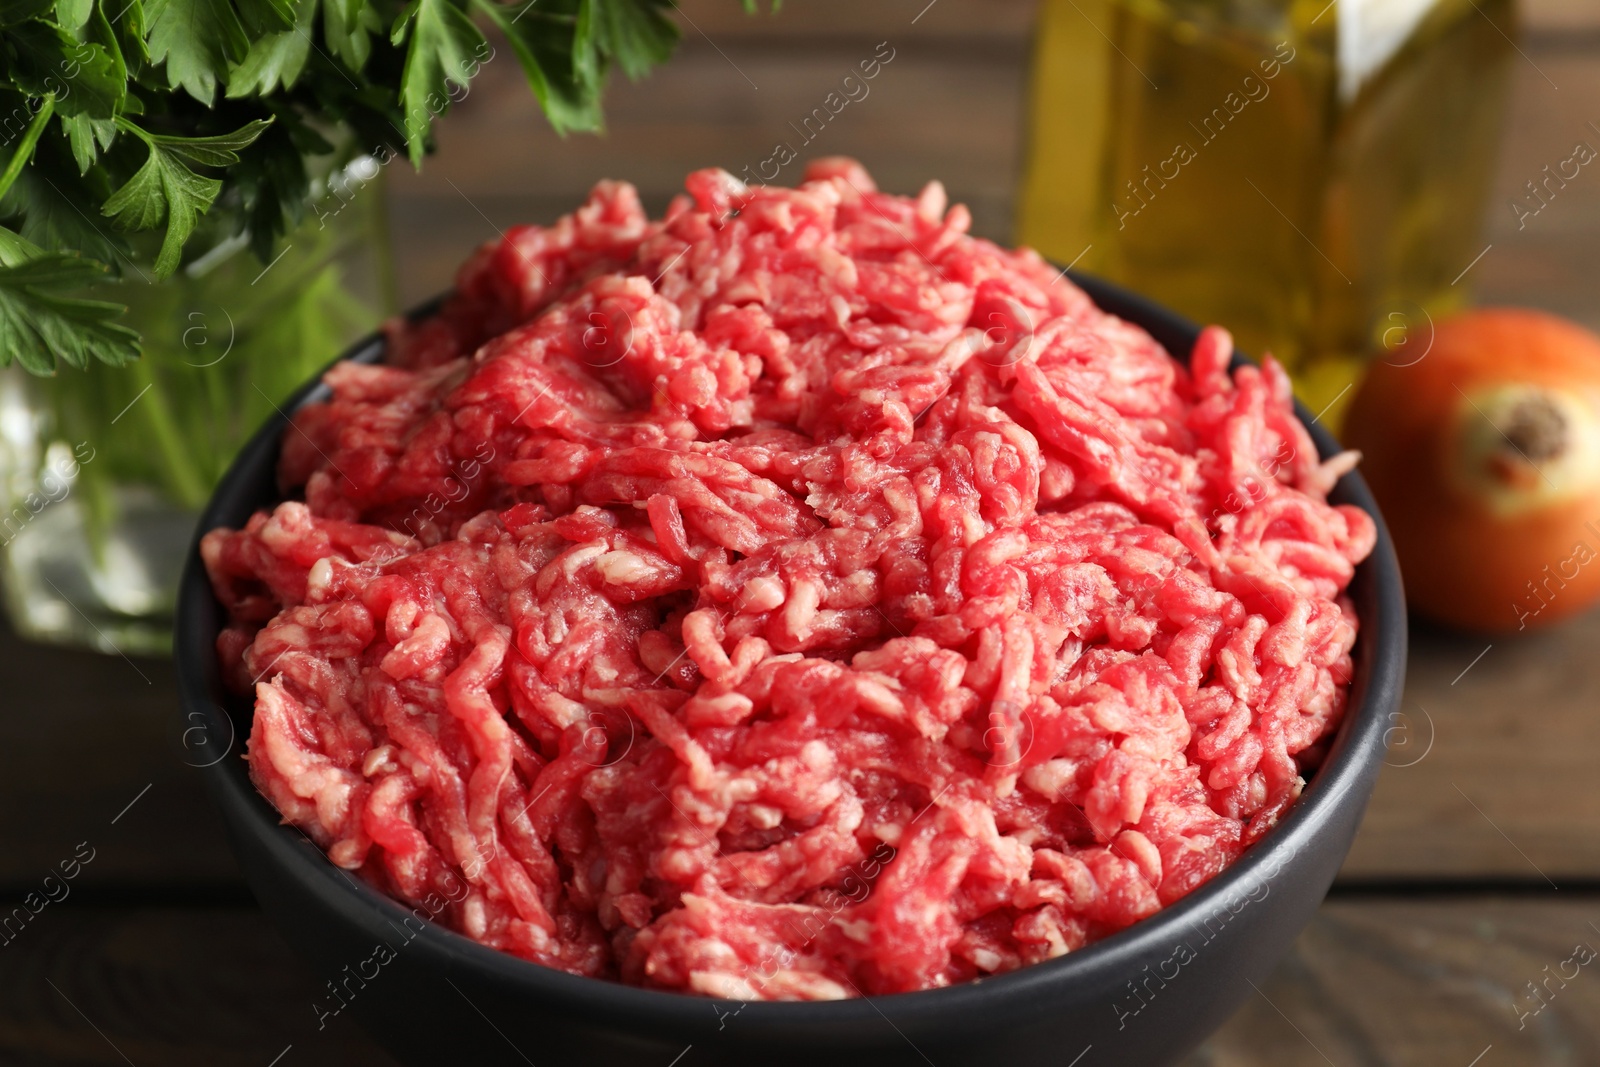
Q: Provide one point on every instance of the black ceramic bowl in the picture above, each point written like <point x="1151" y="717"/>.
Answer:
<point x="1144" y="996"/>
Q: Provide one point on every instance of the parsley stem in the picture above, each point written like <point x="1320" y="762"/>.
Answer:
<point x="183" y="477"/>
<point x="30" y="138"/>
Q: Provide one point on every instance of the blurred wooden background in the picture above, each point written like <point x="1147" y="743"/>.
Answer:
<point x="1477" y="868"/>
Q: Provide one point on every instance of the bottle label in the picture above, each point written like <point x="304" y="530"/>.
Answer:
<point x="1370" y="33"/>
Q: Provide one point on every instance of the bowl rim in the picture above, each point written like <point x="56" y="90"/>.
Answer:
<point x="1347" y="768"/>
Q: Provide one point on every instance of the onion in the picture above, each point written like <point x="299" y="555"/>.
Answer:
<point x="1485" y="458"/>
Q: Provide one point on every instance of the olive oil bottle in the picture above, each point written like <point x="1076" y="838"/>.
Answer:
<point x="1310" y="174"/>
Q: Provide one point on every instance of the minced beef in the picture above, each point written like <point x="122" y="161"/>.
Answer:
<point x="791" y="598"/>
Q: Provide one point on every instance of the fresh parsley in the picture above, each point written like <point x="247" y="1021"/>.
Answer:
<point x="196" y="120"/>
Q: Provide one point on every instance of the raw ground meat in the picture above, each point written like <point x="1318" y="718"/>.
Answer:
<point x="791" y="598"/>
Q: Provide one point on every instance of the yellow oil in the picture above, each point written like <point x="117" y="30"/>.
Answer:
<point x="1243" y="163"/>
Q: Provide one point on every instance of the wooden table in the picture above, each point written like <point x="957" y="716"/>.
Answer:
<point x="1478" y="867"/>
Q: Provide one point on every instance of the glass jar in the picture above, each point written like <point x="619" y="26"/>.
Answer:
<point x="103" y="472"/>
<point x="1311" y="174"/>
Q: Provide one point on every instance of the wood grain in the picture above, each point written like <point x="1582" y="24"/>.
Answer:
<point x="1434" y="982"/>
<point x="187" y="987"/>
<point x="83" y="736"/>
<point x="1507" y="790"/>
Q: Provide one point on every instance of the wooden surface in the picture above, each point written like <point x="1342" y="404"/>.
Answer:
<point x="1476" y="871"/>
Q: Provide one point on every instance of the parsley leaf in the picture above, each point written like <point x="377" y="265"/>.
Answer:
<point x="72" y="14"/>
<point x="266" y="16"/>
<point x="218" y="150"/>
<point x="275" y="185"/>
<point x="163" y="191"/>
<point x="16" y="12"/>
<point x="129" y="25"/>
<point x="445" y="49"/>
<point x="561" y="71"/>
<point x="276" y="58"/>
<point x="166" y="190"/>
<point x="87" y="137"/>
<point x="111" y="109"/>
<point x="196" y="39"/>
<point x="347" y="27"/>
<point x="40" y="322"/>
<point x="58" y="211"/>
<point x="635" y="33"/>
<point x="83" y="77"/>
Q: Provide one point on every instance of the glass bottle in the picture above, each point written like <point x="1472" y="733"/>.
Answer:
<point x="1310" y="174"/>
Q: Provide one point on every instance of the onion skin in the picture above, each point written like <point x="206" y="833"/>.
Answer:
<point x="1485" y="458"/>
